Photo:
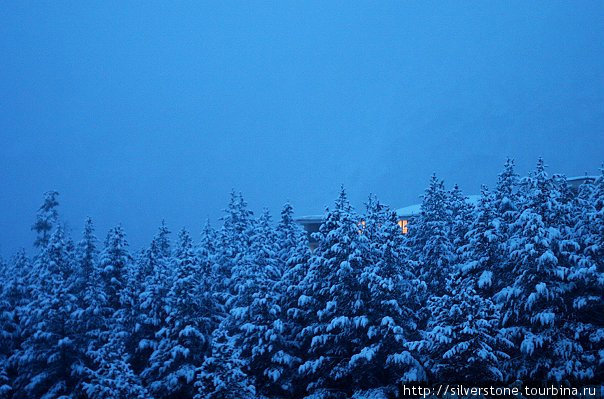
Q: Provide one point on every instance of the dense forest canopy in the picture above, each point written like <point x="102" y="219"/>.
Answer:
<point x="508" y="290"/>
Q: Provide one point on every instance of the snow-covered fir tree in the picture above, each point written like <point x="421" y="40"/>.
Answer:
<point x="111" y="375"/>
<point x="221" y="375"/>
<point x="233" y="243"/>
<point x="14" y="295"/>
<point x="506" y="205"/>
<point x="152" y="299"/>
<point x="207" y="252"/>
<point x="257" y="315"/>
<point x="462" y="341"/>
<point x="535" y="304"/>
<point x="288" y="235"/>
<point x="90" y="320"/>
<point x="586" y="274"/>
<point x="480" y="256"/>
<point x="115" y="263"/>
<point x="391" y="307"/>
<point x="46" y="218"/>
<point x="289" y="319"/>
<point x="48" y="353"/>
<point x="430" y="238"/>
<point x="336" y="301"/>
<point x="183" y="342"/>
<point x="461" y="212"/>
<point x="9" y="329"/>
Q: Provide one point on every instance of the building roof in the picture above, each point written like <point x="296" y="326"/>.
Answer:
<point x="581" y="178"/>
<point x="407" y="211"/>
<point x="309" y="219"/>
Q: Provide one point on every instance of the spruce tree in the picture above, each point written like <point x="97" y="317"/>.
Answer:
<point x="46" y="218"/>
<point x="535" y="305"/>
<point x="49" y="351"/>
<point x="221" y="375"/>
<point x="89" y="320"/>
<point x="115" y="262"/>
<point x="393" y="293"/>
<point x="15" y="295"/>
<point x="151" y="304"/>
<point x="506" y="205"/>
<point x="586" y="275"/>
<point x="336" y="302"/>
<point x="462" y="341"/>
<point x="233" y="243"/>
<point x="480" y="256"/>
<point x="111" y="375"/>
<point x="289" y="318"/>
<point x="431" y="240"/>
<point x="460" y="211"/>
<point x="183" y="342"/>
<point x="8" y="329"/>
<point x="257" y="316"/>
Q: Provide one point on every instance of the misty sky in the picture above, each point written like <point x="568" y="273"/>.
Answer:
<point x="137" y="112"/>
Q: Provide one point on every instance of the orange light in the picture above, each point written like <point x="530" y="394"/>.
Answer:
<point x="403" y="223"/>
<point x="361" y="225"/>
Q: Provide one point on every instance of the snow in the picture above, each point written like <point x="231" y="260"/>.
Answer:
<point x="479" y="287"/>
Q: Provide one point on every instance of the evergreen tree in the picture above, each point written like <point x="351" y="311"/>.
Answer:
<point x="289" y="318"/>
<point x="288" y="235"/>
<point x="151" y="304"/>
<point x="8" y="330"/>
<point x="480" y="256"/>
<point x="586" y="274"/>
<point x="334" y="298"/>
<point x="207" y="251"/>
<point x="392" y="306"/>
<point x="258" y="311"/>
<point x="221" y="375"/>
<point x="506" y="199"/>
<point x="431" y="240"/>
<point x="14" y="295"/>
<point x="87" y="255"/>
<point x="46" y="218"/>
<point x="115" y="261"/>
<point x="88" y="318"/>
<point x="184" y="340"/>
<point x="49" y="352"/>
<point x="506" y="204"/>
<point x="461" y="212"/>
<point x="462" y="341"/>
<point x="111" y="375"/>
<point x="163" y="240"/>
<point x="233" y="243"/>
<point x="535" y="305"/>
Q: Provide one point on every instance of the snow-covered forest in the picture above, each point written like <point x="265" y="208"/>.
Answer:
<point x="507" y="290"/>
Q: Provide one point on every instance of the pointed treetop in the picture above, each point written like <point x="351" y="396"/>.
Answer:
<point x="162" y="239"/>
<point x="342" y="203"/>
<point x="287" y="215"/>
<point x="185" y="244"/>
<point x="46" y="218"/>
<point x="88" y="236"/>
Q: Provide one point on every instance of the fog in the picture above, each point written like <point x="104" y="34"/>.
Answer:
<point x="137" y="113"/>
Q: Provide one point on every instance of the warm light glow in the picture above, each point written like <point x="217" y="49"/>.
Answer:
<point x="361" y="225"/>
<point x="403" y="223"/>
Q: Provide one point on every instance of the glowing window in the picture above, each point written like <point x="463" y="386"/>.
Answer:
<point x="403" y="223"/>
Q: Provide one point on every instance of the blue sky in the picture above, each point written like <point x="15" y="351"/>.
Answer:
<point x="140" y="111"/>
